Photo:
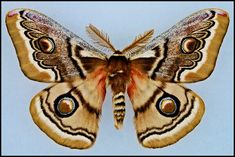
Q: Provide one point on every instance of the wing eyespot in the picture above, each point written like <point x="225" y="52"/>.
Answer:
<point x="65" y="105"/>
<point x="168" y="106"/>
<point x="189" y="45"/>
<point x="45" y="44"/>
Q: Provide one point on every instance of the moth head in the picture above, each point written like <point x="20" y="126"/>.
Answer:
<point x="118" y="52"/>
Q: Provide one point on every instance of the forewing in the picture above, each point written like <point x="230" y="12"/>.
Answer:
<point x="187" y="52"/>
<point x="47" y="51"/>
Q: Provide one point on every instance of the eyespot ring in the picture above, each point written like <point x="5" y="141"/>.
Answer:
<point x="65" y="105"/>
<point x="168" y="106"/>
<point x="45" y="44"/>
<point x="189" y="45"/>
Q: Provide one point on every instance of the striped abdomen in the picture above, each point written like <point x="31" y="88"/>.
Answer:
<point x="119" y="109"/>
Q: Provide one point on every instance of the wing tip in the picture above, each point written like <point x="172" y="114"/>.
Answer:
<point x="221" y="12"/>
<point x="15" y="12"/>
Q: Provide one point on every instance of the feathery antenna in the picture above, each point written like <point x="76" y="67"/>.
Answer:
<point x="139" y="42"/>
<point x="99" y="37"/>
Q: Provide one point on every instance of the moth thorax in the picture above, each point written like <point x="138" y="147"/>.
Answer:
<point x="118" y="69"/>
<point x="118" y="65"/>
<point x="118" y="109"/>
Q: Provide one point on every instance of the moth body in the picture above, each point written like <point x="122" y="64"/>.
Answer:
<point x="118" y="77"/>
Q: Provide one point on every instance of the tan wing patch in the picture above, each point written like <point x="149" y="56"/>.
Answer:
<point x="23" y="48"/>
<point x="164" y="112"/>
<point x="69" y="112"/>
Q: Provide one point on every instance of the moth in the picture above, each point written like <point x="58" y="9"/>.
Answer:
<point x="151" y="71"/>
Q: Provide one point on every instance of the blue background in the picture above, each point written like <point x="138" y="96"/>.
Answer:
<point x="122" y="21"/>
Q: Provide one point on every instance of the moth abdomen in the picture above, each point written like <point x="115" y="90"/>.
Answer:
<point x="119" y="109"/>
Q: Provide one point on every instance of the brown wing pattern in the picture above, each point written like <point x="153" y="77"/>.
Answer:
<point x="188" y="51"/>
<point x="48" y="52"/>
